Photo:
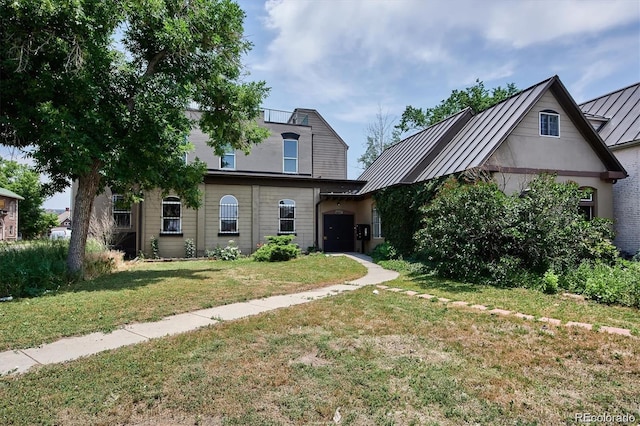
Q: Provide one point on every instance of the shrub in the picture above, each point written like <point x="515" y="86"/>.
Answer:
<point x="155" y="251"/>
<point x="383" y="251"/>
<point x="102" y="263"/>
<point x="277" y="249"/>
<point x="189" y="248"/>
<point x="229" y="252"/>
<point x="618" y="283"/>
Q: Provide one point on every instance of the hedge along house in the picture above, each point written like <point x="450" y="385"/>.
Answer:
<point x="616" y="118"/>
<point x="539" y="130"/>
<point x="277" y="189"/>
<point x="9" y="215"/>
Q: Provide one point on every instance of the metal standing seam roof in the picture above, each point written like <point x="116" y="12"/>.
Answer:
<point x="398" y="161"/>
<point x="483" y="134"/>
<point x="622" y="109"/>
<point x="6" y="193"/>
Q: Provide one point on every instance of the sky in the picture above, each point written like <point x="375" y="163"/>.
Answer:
<point x="350" y="59"/>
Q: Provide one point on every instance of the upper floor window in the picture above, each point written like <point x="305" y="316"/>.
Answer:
<point x="121" y="212"/>
<point x="587" y="204"/>
<point x="287" y="221"/>
<point x="290" y="161"/>
<point x="228" y="160"/>
<point x="171" y="215"/>
<point x="549" y="123"/>
<point x="228" y="215"/>
<point x="376" y="224"/>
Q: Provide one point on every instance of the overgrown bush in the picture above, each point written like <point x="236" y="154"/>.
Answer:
<point x="155" y="251"/>
<point x="277" y="249"/>
<point x="476" y="233"/>
<point x="229" y="252"/>
<point x="618" y="283"/>
<point x="383" y="251"/>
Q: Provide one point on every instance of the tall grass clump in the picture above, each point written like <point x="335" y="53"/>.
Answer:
<point x="33" y="268"/>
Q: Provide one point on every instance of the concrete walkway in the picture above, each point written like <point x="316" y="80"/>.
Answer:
<point x="19" y="361"/>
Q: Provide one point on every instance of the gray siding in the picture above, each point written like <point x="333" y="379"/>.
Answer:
<point x="329" y="150"/>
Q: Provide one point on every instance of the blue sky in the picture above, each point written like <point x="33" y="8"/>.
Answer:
<point x="348" y="58"/>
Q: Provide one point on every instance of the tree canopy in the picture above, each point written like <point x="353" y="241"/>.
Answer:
<point x="96" y="91"/>
<point x="477" y="97"/>
<point x="21" y="179"/>
<point x="380" y="135"/>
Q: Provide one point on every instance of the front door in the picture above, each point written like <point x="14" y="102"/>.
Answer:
<point x="338" y="235"/>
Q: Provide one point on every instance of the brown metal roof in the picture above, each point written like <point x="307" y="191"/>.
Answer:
<point x="465" y="141"/>
<point x="401" y="162"/>
<point x="622" y="109"/>
<point x="483" y="134"/>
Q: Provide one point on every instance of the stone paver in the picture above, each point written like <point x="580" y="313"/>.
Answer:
<point x="616" y="330"/>
<point x="524" y="316"/>
<point x="479" y="307"/>
<point x="499" y="312"/>
<point x="579" y="324"/>
<point x="551" y="321"/>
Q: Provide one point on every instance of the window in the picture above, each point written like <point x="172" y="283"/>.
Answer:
<point x="228" y="215"/>
<point x="587" y="204"/>
<point x="12" y="209"/>
<point x="171" y="215"/>
<point x="121" y="212"/>
<point x="287" y="217"/>
<point x="290" y="150"/>
<point x="10" y="229"/>
<point x="549" y="123"/>
<point x="228" y="160"/>
<point x="376" y="224"/>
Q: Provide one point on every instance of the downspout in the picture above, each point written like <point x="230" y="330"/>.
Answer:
<point x="139" y="230"/>
<point x="317" y="221"/>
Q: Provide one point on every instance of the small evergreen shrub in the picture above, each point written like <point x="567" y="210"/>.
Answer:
<point x="278" y="249"/>
<point x="189" y="248"/>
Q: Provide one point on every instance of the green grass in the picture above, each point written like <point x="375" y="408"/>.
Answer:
<point x="381" y="359"/>
<point x="150" y="291"/>
<point x="532" y="302"/>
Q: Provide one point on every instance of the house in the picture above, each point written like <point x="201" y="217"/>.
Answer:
<point x="9" y="215"/>
<point x="295" y="182"/>
<point x="277" y="189"/>
<point x="616" y="118"/>
<point x="541" y="129"/>
<point x="64" y="219"/>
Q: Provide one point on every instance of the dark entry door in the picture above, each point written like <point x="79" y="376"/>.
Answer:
<point x="338" y="233"/>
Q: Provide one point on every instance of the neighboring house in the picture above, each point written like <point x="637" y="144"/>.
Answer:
<point x="541" y="129"/>
<point x="616" y="118"/>
<point x="277" y="189"/>
<point x="9" y="215"/>
<point x="64" y="219"/>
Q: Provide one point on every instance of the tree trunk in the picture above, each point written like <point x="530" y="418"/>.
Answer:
<point x="82" y="208"/>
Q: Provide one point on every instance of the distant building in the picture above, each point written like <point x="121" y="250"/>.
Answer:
<point x="9" y="215"/>
<point x="64" y="219"/>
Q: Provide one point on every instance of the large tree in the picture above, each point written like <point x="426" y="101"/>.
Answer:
<point x="97" y="91"/>
<point x="477" y="97"/>
<point x="21" y="179"/>
<point x="380" y="135"/>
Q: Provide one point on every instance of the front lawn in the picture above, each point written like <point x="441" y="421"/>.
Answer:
<point x="376" y="359"/>
<point x="151" y="291"/>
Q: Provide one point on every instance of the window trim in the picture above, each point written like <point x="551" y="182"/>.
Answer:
<point x="376" y="224"/>
<point x="173" y="200"/>
<point x="115" y="211"/>
<point x="282" y="203"/>
<point x="548" y="112"/>
<point x="230" y="152"/>
<point x="590" y="202"/>
<point x="236" y="232"/>
<point x="285" y="158"/>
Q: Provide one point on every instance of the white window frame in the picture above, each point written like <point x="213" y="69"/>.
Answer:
<point x="115" y="211"/>
<point x="231" y="153"/>
<point x="228" y="203"/>
<point x="286" y="203"/>
<point x="285" y="158"/>
<point x="171" y="200"/>
<point x="549" y="113"/>
<point x="589" y="201"/>
<point x="376" y="224"/>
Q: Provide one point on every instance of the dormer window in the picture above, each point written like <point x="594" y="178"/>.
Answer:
<point x="290" y="158"/>
<point x="228" y="160"/>
<point x="549" y="123"/>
